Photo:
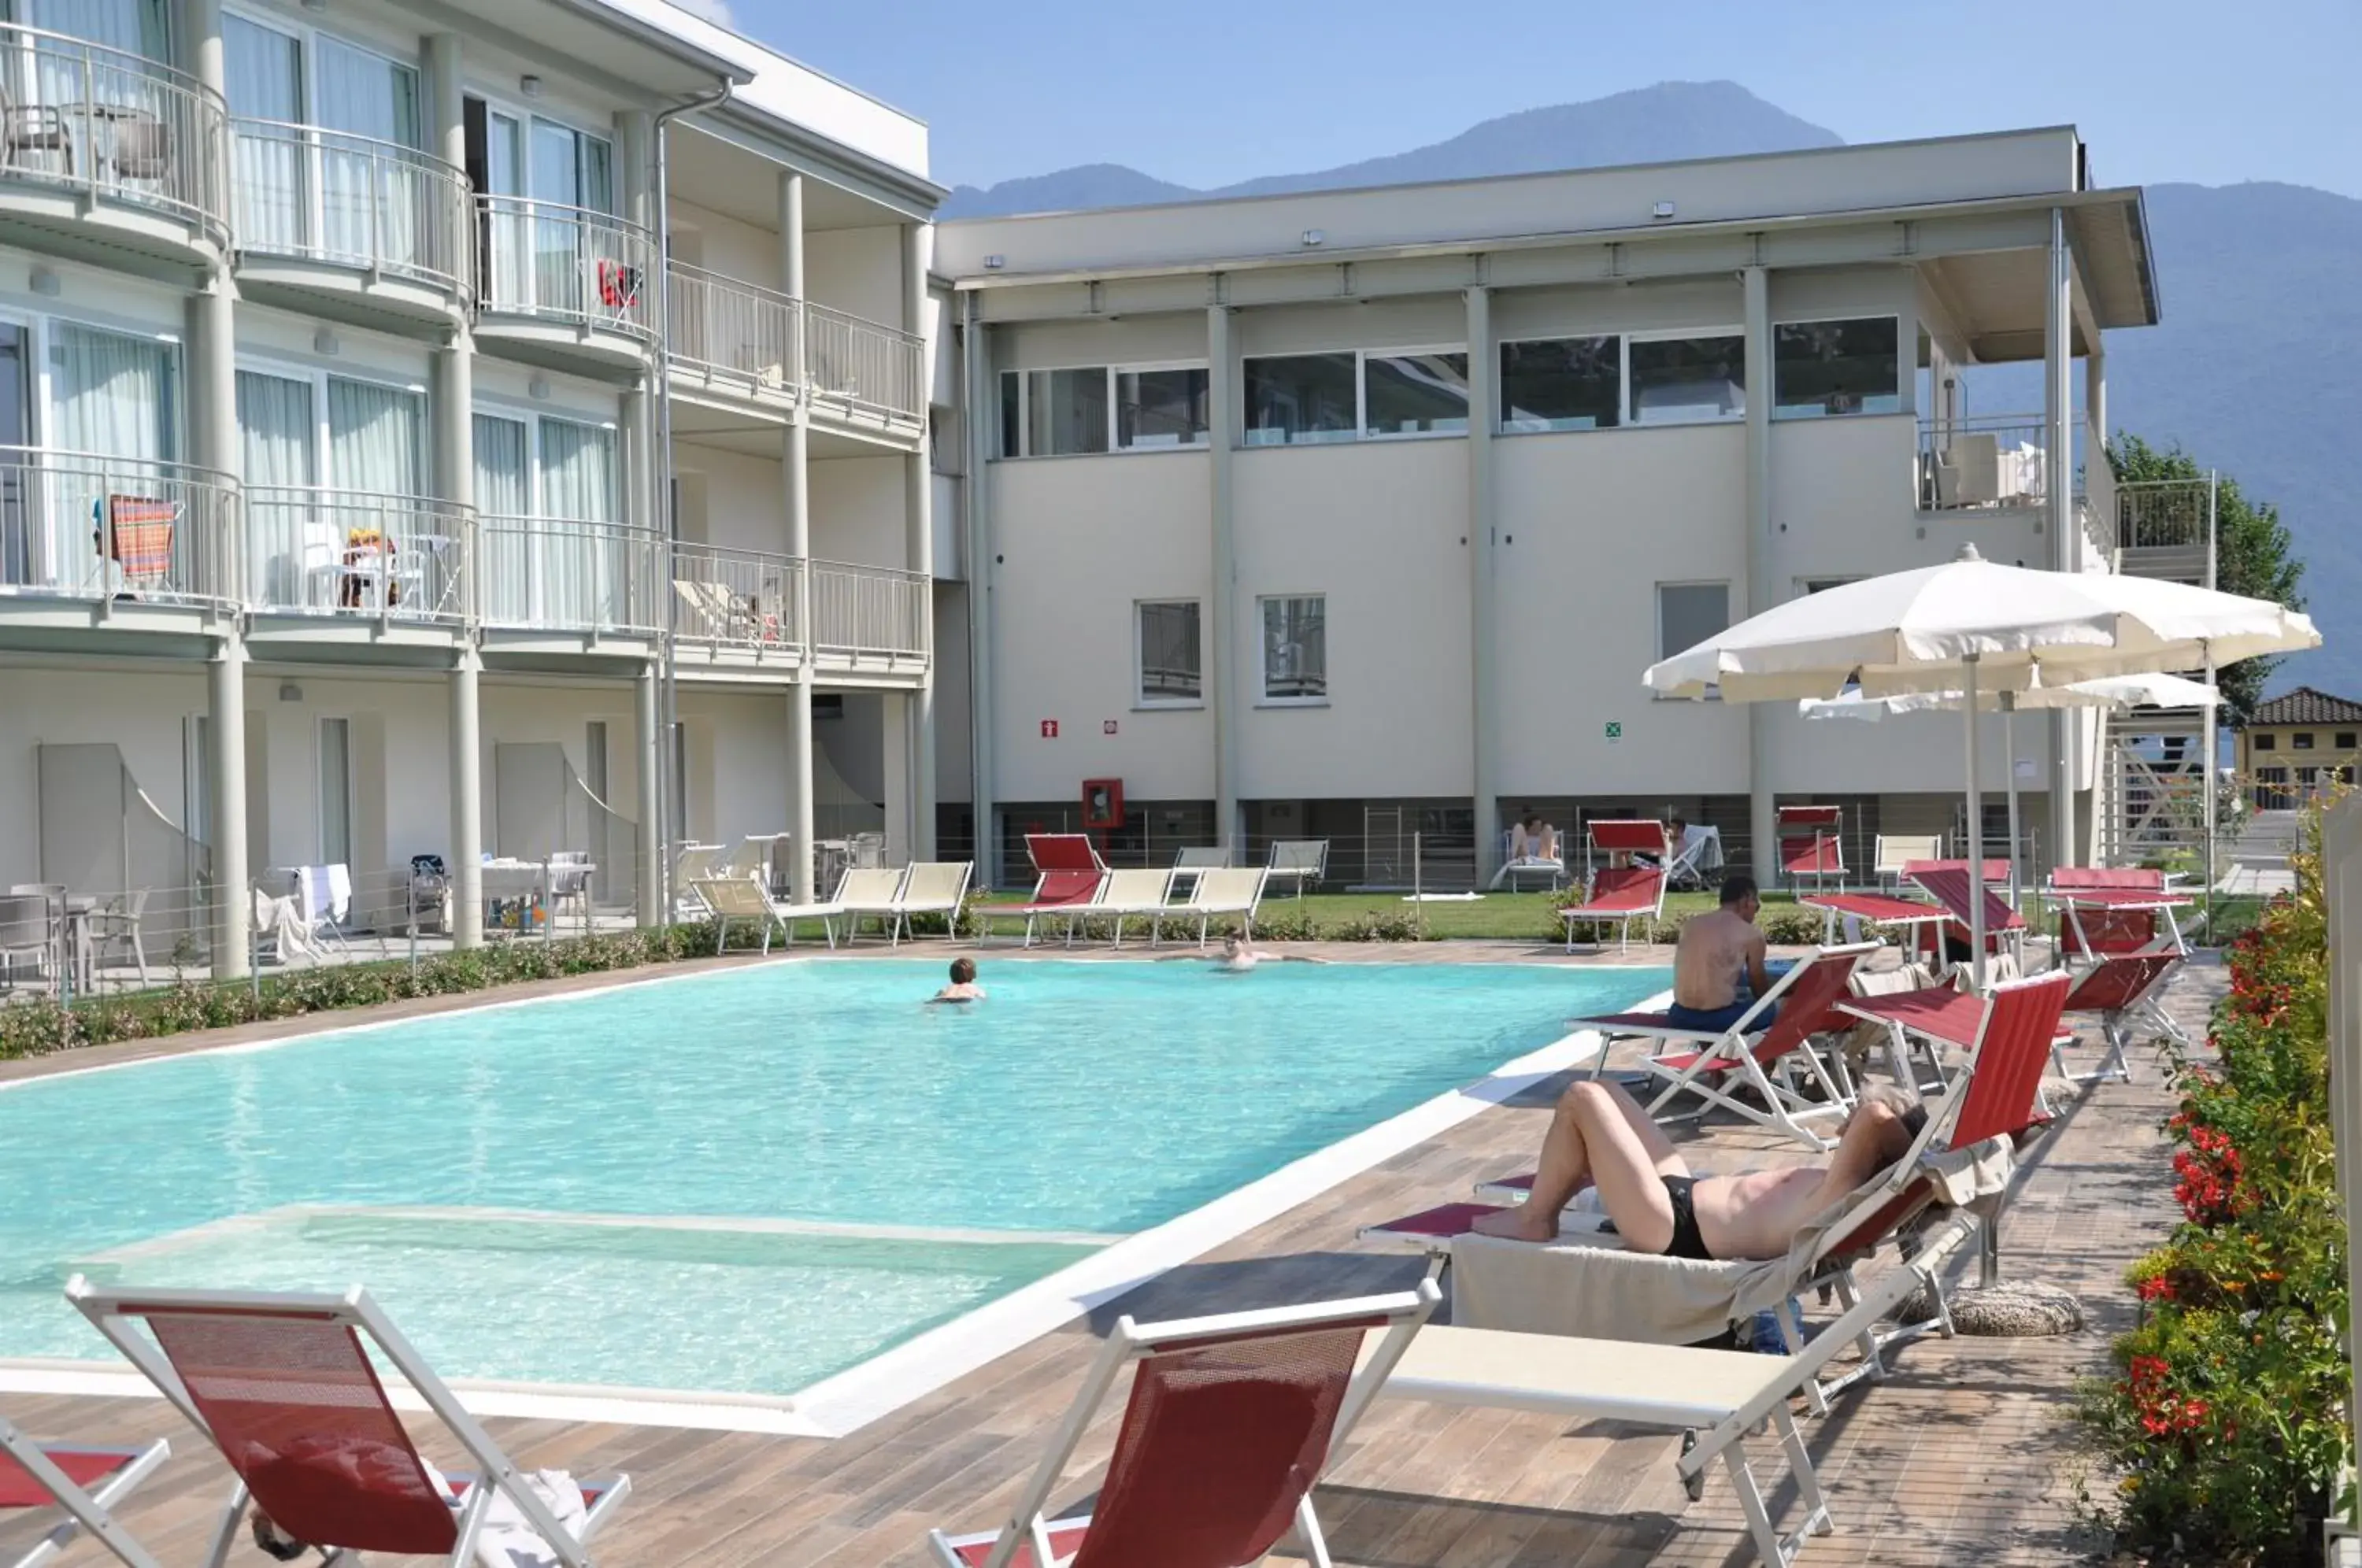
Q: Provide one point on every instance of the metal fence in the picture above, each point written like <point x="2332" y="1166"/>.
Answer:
<point x="560" y="574"/>
<point x="400" y="557"/>
<point x="352" y="201"/>
<point x="723" y="327"/>
<point x="116" y="124"/>
<point x="568" y="264"/>
<point x="870" y="613"/>
<point x="82" y="526"/>
<point x="1987" y="463"/>
<point x="735" y="598"/>
<point x="868" y="367"/>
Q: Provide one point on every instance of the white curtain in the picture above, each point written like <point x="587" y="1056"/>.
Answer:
<point x="291" y="549"/>
<point x="377" y="438"/>
<point x="369" y="194"/>
<point x="583" y="566"/>
<point x="110" y="398"/>
<point x="504" y="499"/>
<point x="272" y="186"/>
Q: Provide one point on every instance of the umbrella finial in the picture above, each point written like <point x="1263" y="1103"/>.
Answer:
<point x="1967" y="553"/>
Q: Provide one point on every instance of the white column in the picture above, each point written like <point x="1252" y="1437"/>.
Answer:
<point x="795" y="485"/>
<point x="648" y="740"/>
<point x="897" y="728"/>
<point x="918" y="548"/>
<point x="1220" y="651"/>
<point x="1483" y="540"/>
<point x="467" y="800"/>
<point x="977" y="492"/>
<point x="2058" y="507"/>
<point x="225" y="713"/>
<point x="1761" y="829"/>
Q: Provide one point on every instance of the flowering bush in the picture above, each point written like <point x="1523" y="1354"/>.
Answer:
<point x="2225" y="1424"/>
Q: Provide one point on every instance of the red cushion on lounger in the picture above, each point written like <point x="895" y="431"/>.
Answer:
<point x="1065" y="1543"/>
<point x="19" y="1490"/>
<point x="1445" y="1220"/>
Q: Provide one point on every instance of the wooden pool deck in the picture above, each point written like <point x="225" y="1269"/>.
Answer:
<point x="1965" y="1453"/>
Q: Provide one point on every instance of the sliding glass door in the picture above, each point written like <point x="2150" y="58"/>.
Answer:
<point x="291" y="548"/>
<point x="587" y="566"/>
<point x="504" y="550"/>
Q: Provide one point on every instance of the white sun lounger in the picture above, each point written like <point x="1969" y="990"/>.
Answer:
<point x="1196" y="860"/>
<point x="935" y="887"/>
<point x="871" y="892"/>
<point x="1136" y="894"/>
<point x="744" y="898"/>
<point x="1229" y="890"/>
<point x="693" y="864"/>
<point x="1298" y="860"/>
<point x="86" y="1483"/>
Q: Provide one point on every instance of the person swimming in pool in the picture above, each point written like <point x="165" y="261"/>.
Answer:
<point x="1602" y="1138"/>
<point x="963" y="987"/>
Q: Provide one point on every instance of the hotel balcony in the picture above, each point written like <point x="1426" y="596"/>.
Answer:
<point x="356" y="567"/>
<point x="735" y="612"/>
<point x="568" y="287"/>
<point x="865" y="375"/>
<point x="742" y="356"/>
<point x="567" y="585"/>
<point x="1987" y="465"/>
<point x="870" y="621"/>
<point x="368" y="231"/>
<point x="92" y="542"/>
<point x="104" y="153"/>
<point x="733" y="340"/>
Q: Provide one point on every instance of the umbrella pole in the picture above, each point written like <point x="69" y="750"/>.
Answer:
<point x="2017" y="838"/>
<point x="1976" y="839"/>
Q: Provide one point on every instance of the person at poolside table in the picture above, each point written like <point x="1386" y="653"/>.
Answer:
<point x="1720" y="964"/>
<point x="1602" y="1138"/>
<point x="963" y="987"/>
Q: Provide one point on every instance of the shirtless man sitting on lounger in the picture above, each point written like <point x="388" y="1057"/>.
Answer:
<point x="1719" y="963"/>
<point x="1600" y="1137"/>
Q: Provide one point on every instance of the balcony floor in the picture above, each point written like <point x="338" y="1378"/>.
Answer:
<point x="1966" y="1454"/>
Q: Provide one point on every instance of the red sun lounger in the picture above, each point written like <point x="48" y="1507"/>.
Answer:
<point x="1063" y="895"/>
<point x="85" y="1484"/>
<point x="2125" y="992"/>
<point x="1230" y="1421"/>
<point x="1063" y="852"/>
<point x="1619" y="894"/>
<point x="282" y="1385"/>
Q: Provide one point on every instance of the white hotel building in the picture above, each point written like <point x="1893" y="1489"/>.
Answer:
<point x="343" y="390"/>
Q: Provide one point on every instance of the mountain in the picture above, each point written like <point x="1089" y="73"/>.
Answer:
<point x="1649" y="125"/>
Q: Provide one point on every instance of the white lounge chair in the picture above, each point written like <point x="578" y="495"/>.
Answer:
<point x="1194" y="862"/>
<point x="744" y="898"/>
<point x="924" y="886"/>
<point x="282" y="1385"/>
<point x="873" y="892"/>
<point x="1273" y="1393"/>
<point x="1298" y="860"/>
<point x="86" y="1483"/>
<point x="1137" y="894"/>
<point x="936" y="887"/>
<point x="1231" y="890"/>
<point x="1893" y="851"/>
<point x="694" y="864"/>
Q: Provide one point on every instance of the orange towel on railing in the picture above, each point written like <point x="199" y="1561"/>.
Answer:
<point x="140" y="536"/>
<point x="618" y="286"/>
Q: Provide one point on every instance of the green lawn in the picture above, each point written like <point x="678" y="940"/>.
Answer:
<point x="1526" y="915"/>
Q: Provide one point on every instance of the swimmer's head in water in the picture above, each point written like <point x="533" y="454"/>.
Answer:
<point x="963" y="971"/>
<point x="1230" y="945"/>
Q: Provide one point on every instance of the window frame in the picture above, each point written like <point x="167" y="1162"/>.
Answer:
<point x="1657" y="611"/>
<point x="1140" y="700"/>
<point x="317" y="378"/>
<point x="1631" y="419"/>
<point x="1362" y="358"/>
<point x="1623" y="341"/>
<point x="1024" y="383"/>
<point x="1902" y="399"/>
<point x="2301" y="740"/>
<point x="2264" y="740"/>
<point x="531" y="418"/>
<point x="320" y="788"/>
<point x="39" y="328"/>
<point x="2345" y="739"/>
<point x="1264" y="698"/>
<point x="307" y="35"/>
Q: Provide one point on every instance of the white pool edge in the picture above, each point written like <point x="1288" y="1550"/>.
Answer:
<point x="843" y="1403"/>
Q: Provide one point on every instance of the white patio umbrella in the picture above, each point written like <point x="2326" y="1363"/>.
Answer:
<point x="2116" y="692"/>
<point x="1969" y="624"/>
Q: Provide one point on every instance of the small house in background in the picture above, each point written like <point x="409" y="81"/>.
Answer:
<point x="2296" y="743"/>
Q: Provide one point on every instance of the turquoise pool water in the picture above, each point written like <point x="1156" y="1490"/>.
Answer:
<point x="739" y="1182"/>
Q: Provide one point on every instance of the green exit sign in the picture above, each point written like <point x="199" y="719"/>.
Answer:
<point x="1614" y="731"/>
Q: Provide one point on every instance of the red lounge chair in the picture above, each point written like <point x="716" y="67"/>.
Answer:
<point x="282" y="1385"/>
<point x="1811" y="843"/>
<point x="1940" y="1016"/>
<point x="1230" y="1421"/>
<point x="1716" y="1065"/>
<point x="1873" y="909"/>
<point x="1063" y="852"/>
<point x="87" y="1483"/>
<point x="2106" y="910"/>
<point x="2124" y="991"/>
<point x="1618" y="895"/>
<point x="1059" y="895"/>
<point x="1946" y="882"/>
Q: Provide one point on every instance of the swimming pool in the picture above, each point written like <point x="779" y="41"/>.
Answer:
<point x="741" y="1182"/>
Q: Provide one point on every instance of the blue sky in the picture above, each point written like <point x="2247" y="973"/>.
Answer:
<point x="1212" y="91"/>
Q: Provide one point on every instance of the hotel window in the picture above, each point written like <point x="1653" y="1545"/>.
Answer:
<point x="1822" y="368"/>
<point x="2264" y="743"/>
<point x="1682" y="379"/>
<point x="1689" y="613"/>
<point x="1562" y="383"/>
<point x="1160" y="407"/>
<point x="1295" y="648"/>
<point x="1415" y="393"/>
<point x="1168" y="654"/>
<point x="2345" y="740"/>
<point x="1301" y="398"/>
<point x="1066" y="411"/>
<point x="2301" y="740"/>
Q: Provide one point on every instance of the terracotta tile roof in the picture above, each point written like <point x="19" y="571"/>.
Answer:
<point x="2306" y="706"/>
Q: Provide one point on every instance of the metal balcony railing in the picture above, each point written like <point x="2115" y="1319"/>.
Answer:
<point x="1985" y="463"/>
<point x="734" y="331"/>
<point x="730" y="598"/>
<point x="336" y="552"/>
<point x="870" y="613"/>
<point x="869" y="368"/>
<point x="567" y="264"/>
<point x="352" y="201"/>
<point x="560" y="574"/>
<point x="116" y="124"/>
<point x="84" y="525"/>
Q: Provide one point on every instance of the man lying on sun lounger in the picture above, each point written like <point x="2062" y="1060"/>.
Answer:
<point x="1600" y="1137"/>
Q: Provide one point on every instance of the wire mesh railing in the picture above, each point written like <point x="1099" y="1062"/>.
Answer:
<point x="115" y="126"/>
<point x="352" y="201"/>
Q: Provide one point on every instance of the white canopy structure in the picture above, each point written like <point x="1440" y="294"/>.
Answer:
<point x="1971" y="623"/>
